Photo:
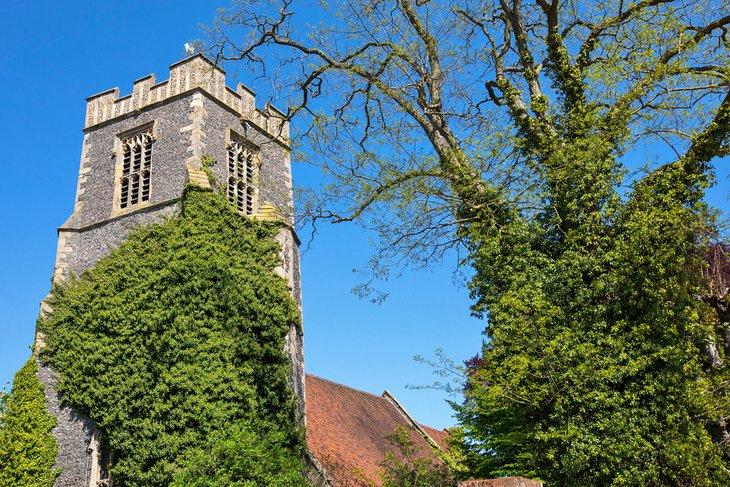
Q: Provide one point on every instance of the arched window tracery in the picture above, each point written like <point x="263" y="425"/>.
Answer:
<point x="136" y="170"/>
<point x="241" y="177"/>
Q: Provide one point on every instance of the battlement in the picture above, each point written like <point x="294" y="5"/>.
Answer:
<point x="194" y="72"/>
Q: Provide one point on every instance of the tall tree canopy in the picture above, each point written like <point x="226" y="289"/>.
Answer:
<point x="515" y="132"/>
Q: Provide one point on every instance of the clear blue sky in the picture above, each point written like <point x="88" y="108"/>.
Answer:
<point x="53" y="56"/>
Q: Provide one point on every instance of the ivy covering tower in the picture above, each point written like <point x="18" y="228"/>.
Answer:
<point x="174" y="318"/>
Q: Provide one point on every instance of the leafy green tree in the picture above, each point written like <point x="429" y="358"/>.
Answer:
<point x="242" y="457"/>
<point x="175" y="337"/>
<point x="27" y="446"/>
<point x="407" y="466"/>
<point x="515" y="131"/>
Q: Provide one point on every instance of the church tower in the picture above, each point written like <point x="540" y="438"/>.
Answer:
<point x="139" y="151"/>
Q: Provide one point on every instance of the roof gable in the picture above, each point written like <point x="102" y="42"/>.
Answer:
<point x="348" y="429"/>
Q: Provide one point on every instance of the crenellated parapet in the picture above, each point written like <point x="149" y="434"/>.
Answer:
<point x="195" y="72"/>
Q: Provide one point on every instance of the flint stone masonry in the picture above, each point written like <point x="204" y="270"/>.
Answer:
<point x="188" y="74"/>
<point x="75" y="430"/>
<point x="190" y="116"/>
<point x="195" y="118"/>
<point x="86" y="245"/>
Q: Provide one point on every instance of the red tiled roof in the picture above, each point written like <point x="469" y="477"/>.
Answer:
<point x="347" y="431"/>
<point x="439" y="436"/>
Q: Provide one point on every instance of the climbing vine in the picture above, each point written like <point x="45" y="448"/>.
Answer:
<point x="176" y="338"/>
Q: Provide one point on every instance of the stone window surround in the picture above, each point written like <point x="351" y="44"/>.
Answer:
<point x="118" y="154"/>
<point x="234" y="137"/>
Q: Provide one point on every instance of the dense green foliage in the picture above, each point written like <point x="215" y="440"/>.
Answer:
<point x="27" y="447"/>
<point x="525" y="133"/>
<point x="593" y="374"/>
<point x="177" y="337"/>
<point x="409" y="467"/>
<point x="242" y="457"/>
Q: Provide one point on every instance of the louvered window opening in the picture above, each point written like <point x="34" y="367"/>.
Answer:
<point x="137" y="162"/>
<point x="240" y="178"/>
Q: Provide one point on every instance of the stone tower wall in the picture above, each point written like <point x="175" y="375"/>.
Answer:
<point x="96" y="225"/>
<point x="191" y="115"/>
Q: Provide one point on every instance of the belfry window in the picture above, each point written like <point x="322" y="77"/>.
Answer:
<point x="241" y="177"/>
<point x="136" y="170"/>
